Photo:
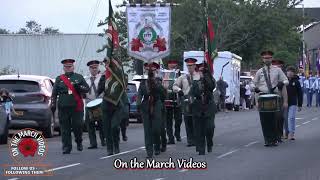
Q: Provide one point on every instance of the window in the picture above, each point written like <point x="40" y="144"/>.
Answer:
<point x="19" y="86"/>
<point x="48" y="85"/>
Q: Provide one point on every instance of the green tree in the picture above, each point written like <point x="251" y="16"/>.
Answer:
<point x="51" y="30"/>
<point x="32" y="27"/>
<point x="4" y="31"/>
<point x="7" y="70"/>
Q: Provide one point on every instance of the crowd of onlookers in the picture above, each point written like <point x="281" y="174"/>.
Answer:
<point x="311" y="88"/>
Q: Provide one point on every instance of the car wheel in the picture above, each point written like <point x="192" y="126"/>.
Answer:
<point x="48" y="132"/>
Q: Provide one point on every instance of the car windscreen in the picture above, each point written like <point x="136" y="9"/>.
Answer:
<point x="19" y="86"/>
<point x="131" y="88"/>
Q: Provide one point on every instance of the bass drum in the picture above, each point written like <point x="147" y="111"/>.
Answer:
<point x="94" y="109"/>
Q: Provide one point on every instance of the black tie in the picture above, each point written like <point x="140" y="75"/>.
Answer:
<point x="93" y="86"/>
<point x="269" y="73"/>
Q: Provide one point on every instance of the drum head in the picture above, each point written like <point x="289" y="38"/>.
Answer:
<point x="268" y="95"/>
<point x="94" y="103"/>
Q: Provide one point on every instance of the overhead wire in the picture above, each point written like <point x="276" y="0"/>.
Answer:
<point x="89" y="28"/>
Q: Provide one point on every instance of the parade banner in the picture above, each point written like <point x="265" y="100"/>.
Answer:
<point x="149" y="32"/>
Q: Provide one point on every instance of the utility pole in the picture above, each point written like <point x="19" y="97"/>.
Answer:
<point x="303" y="44"/>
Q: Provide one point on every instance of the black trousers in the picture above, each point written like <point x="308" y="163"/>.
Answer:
<point x="269" y="126"/>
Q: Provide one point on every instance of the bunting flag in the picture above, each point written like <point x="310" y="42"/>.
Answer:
<point x="112" y="33"/>
<point x="210" y="44"/>
<point x="114" y="86"/>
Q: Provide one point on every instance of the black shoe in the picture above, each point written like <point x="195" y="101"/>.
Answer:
<point x="178" y="139"/>
<point x="163" y="149"/>
<point x="149" y="156"/>
<point x="202" y="153"/>
<point x="110" y="153"/>
<point x="66" y="151"/>
<point x="274" y="144"/>
<point x="171" y="141"/>
<point x="210" y="149"/>
<point x="190" y="145"/>
<point x="79" y="147"/>
<point x="267" y="144"/>
<point x="125" y="138"/>
<point x="103" y="144"/>
<point x="157" y="152"/>
<point x="92" y="147"/>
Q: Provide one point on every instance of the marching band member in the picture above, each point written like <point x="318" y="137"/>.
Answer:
<point x="93" y="81"/>
<point x="70" y="87"/>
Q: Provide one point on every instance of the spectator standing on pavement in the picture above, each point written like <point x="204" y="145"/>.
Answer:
<point x="316" y="88"/>
<point x="247" y="95"/>
<point x="242" y="95"/>
<point x="295" y="97"/>
<point x="7" y="102"/>
<point x="309" y="91"/>
<point x="222" y="87"/>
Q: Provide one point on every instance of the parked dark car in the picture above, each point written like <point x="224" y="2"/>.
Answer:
<point x="3" y="126"/>
<point x="132" y="91"/>
<point x="32" y="100"/>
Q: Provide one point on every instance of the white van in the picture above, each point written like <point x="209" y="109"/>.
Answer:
<point x="227" y="65"/>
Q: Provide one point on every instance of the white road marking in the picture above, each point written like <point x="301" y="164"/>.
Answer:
<point x="63" y="167"/>
<point x="228" y="153"/>
<point x="306" y="122"/>
<point x="254" y="142"/>
<point x="124" y="152"/>
<point x="183" y="170"/>
<point x="298" y="126"/>
<point x="159" y="178"/>
<point x="314" y="119"/>
<point x="299" y="118"/>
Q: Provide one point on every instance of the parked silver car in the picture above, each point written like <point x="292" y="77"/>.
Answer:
<point x="32" y="99"/>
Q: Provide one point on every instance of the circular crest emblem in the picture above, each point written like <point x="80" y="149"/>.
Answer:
<point x="28" y="146"/>
<point x="148" y="35"/>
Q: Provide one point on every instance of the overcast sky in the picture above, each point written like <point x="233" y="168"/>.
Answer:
<point x="69" y="16"/>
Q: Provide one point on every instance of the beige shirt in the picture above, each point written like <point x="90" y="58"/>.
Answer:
<point x="90" y="95"/>
<point x="182" y="83"/>
<point x="276" y="76"/>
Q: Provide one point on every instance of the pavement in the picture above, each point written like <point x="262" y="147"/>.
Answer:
<point x="238" y="153"/>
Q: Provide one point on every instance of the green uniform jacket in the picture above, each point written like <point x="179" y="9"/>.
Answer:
<point x="60" y="89"/>
<point x="204" y="86"/>
<point x="122" y="109"/>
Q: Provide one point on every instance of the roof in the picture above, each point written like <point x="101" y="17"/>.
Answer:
<point x="312" y="13"/>
<point x="24" y="77"/>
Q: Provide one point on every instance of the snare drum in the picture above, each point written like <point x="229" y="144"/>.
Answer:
<point x="269" y="103"/>
<point x="94" y="109"/>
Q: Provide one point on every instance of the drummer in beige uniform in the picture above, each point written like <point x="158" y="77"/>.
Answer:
<point x="277" y="85"/>
<point x="182" y="86"/>
<point x="91" y="124"/>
